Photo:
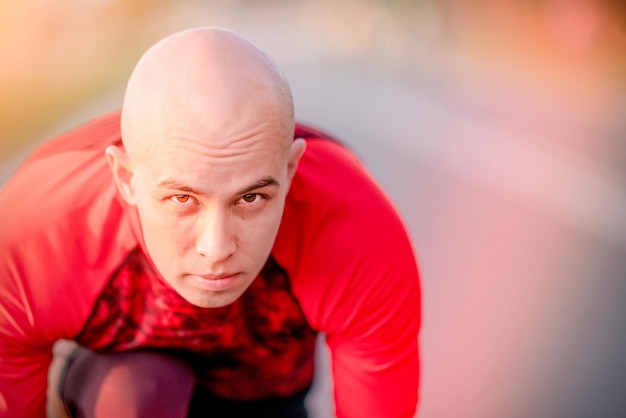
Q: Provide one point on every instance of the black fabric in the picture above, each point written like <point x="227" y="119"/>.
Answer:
<point x="154" y="384"/>
<point x="287" y="407"/>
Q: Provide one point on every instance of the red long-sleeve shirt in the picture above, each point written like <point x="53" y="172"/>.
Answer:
<point x="73" y="265"/>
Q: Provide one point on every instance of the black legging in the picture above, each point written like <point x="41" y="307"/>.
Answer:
<point x="153" y="384"/>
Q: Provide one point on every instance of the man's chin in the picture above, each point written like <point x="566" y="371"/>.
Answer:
<point x="203" y="299"/>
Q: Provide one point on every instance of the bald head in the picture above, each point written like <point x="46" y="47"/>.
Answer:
<point x="207" y="160"/>
<point x="208" y="79"/>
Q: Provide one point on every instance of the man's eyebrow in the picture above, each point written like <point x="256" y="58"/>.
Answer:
<point x="264" y="182"/>
<point x="173" y="184"/>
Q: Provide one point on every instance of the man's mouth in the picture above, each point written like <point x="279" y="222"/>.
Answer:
<point x="214" y="282"/>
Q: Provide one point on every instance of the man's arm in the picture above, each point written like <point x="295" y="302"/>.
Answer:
<point x="375" y="357"/>
<point x="356" y="278"/>
<point x="61" y="223"/>
<point x="23" y="382"/>
<point x="23" y="363"/>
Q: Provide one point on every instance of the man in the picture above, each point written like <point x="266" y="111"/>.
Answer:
<point x="194" y="246"/>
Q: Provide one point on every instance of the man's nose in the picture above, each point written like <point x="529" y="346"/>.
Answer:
<point x="215" y="239"/>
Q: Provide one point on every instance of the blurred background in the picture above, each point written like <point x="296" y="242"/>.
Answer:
<point x="496" y="127"/>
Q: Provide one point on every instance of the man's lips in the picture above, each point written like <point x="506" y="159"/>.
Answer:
<point x="212" y="282"/>
<point x="214" y="276"/>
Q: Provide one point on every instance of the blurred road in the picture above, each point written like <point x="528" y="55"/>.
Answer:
<point x="513" y="192"/>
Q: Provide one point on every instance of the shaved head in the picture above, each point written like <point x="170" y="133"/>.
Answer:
<point x="207" y="159"/>
<point x="203" y="77"/>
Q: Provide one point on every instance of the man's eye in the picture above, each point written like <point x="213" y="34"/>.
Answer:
<point x="250" y="197"/>
<point x="181" y="198"/>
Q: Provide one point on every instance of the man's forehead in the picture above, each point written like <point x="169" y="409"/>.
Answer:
<point x="202" y="155"/>
<point x="169" y="166"/>
<point x="211" y="136"/>
<point x="219" y="81"/>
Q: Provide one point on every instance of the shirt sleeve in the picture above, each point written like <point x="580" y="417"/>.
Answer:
<point x="24" y="360"/>
<point x="45" y="295"/>
<point x="373" y="335"/>
<point x="357" y="280"/>
<point x="23" y="383"/>
<point x="62" y="233"/>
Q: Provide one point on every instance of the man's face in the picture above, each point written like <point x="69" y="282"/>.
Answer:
<point x="210" y="213"/>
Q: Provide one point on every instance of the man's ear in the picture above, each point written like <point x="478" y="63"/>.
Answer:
<point x="295" y="153"/>
<point x="122" y="172"/>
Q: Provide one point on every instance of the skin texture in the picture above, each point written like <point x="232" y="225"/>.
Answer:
<point x="207" y="159"/>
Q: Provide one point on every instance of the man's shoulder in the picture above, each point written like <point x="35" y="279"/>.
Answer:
<point x="332" y="177"/>
<point x="334" y="202"/>
<point x="340" y="236"/>
<point x="61" y="207"/>
<point x="64" y="228"/>
<point x="62" y="178"/>
<point x="93" y="135"/>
